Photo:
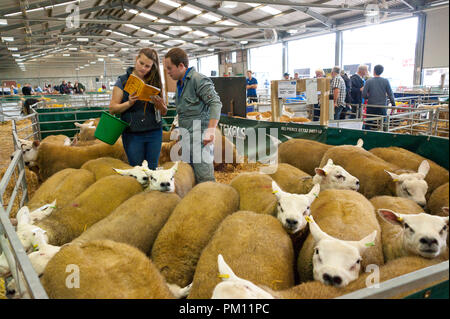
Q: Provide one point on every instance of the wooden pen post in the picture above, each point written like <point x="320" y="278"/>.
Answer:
<point x="323" y="85"/>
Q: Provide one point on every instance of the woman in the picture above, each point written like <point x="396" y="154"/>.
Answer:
<point x="142" y="139"/>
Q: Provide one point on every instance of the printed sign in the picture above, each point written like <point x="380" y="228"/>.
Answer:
<point x="287" y="89"/>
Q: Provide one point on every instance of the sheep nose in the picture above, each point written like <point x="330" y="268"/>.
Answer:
<point x="291" y="222"/>
<point x="145" y="178"/>
<point x="357" y="183"/>
<point x="165" y="184"/>
<point x="422" y="204"/>
<point x="337" y="280"/>
<point x="327" y="278"/>
<point x="330" y="280"/>
<point x="428" y="241"/>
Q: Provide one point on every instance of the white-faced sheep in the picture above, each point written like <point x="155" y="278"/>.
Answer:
<point x="438" y="200"/>
<point x="190" y="227"/>
<point x="417" y="234"/>
<point x="345" y="222"/>
<point x="26" y="230"/>
<point x="255" y="193"/>
<point x="233" y="287"/>
<point x="103" y="269"/>
<point x="51" y="158"/>
<point x="184" y="177"/>
<point x="37" y="214"/>
<point x="391" y="235"/>
<point x="28" y="147"/>
<point x="378" y="177"/>
<point x="255" y="245"/>
<point x="87" y="131"/>
<point x="332" y="176"/>
<point x="409" y="160"/>
<point x="104" y="166"/>
<point x="92" y="205"/>
<point x="63" y="186"/>
<point x="136" y="222"/>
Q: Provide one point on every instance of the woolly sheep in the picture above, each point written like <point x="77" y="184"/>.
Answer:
<point x="104" y="270"/>
<point x="104" y="166"/>
<point x="304" y="154"/>
<point x="63" y="186"/>
<point x="87" y="130"/>
<point x="344" y="215"/>
<point x="136" y="222"/>
<point x="438" y="200"/>
<point x="419" y="234"/>
<point x="51" y="158"/>
<point x="92" y="205"/>
<point x="233" y="287"/>
<point x="255" y="193"/>
<point x="291" y="179"/>
<point x="255" y="245"/>
<point x="44" y="253"/>
<point x="409" y="160"/>
<point x="184" y="177"/>
<point x="25" y="229"/>
<point x="378" y="177"/>
<point x="137" y="172"/>
<point x="392" y="248"/>
<point x="191" y="225"/>
<point x="28" y="147"/>
<point x="332" y="176"/>
<point x="37" y="214"/>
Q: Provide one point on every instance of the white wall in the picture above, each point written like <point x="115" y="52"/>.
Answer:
<point x="436" y="39"/>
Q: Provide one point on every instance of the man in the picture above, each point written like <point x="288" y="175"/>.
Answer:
<point x="357" y="85"/>
<point x="286" y="76"/>
<point x="375" y="91"/>
<point x="26" y="89"/>
<point x="198" y="109"/>
<point x="316" y="111"/>
<point x="338" y="92"/>
<point x="348" y="98"/>
<point x="296" y="76"/>
<point x="252" y="85"/>
<point x="319" y="73"/>
<point x="63" y="88"/>
<point x="78" y="88"/>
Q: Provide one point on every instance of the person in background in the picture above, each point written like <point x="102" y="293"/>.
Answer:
<point x="5" y="90"/>
<point x="296" y="76"/>
<point x="142" y="140"/>
<point x="78" y="88"/>
<point x="198" y="108"/>
<point x="252" y="85"/>
<point x="286" y="76"/>
<point x="26" y="89"/>
<point x="357" y="85"/>
<point x="348" y="97"/>
<point x="376" y="91"/>
<point x="38" y="89"/>
<point x="338" y="92"/>
<point x="64" y="88"/>
<point x="13" y="90"/>
<point x="316" y="112"/>
<point x="69" y="85"/>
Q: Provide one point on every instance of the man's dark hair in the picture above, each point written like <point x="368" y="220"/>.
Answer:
<point x="378" y="69"/>
<point x="178" y="56"/>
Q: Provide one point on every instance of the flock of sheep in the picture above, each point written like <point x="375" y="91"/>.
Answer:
<point x="308" y="229"/>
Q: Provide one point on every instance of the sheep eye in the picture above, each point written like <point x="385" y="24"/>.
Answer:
<point x="443" y="230"/>
<point x="340" y="176"/>
<point x="358" y="261"/>
<point x="407" y="226"/>
<point x="406" y="191"/>
<point x="316" y="251"/>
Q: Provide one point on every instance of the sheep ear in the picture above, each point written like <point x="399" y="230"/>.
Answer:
<point x="320" y="172"/>
<point x="144" y="164"/>
<point x="424" y="168"/>
<point x="317" y="233"/>
<point x="225" y="272"/>
<point x="175" y="167"/>
<point x="330" y="161"/>
<point x="394" y="176"/>
<point x="314" y="193"/>
<point x="13" y="221"/>
<point x="391" y="216"/>
<point x="121" y="171"/>
<point x="23" y="216"/>
<point x="77" y="124"/>
<point x="36" y="143"/>
<point x="277" y="190"/>
<point x="360" y="142"/>
<point x="366" y="242"/>
<point x="90" y="123"/>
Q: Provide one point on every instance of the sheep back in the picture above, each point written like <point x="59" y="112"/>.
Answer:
<point x="55" y="139"/>
<point x="64" y="186"/>
<point x="303" y="154"/>
<point x="365" y="166"/>
<point x="107" y="270"/>
<point x="52" y="157"/>
<point x="255" y="193"/>
<point x="136" y="222"/>
<point x="92" y="205"/>
<point x="184" y="177"/>
<point x="292" y="180"/>
<point x="103" y="166"/>
<point x="438" y="199"/>
<point x="411" y="161"/>
<point x="392" y="235"/>
<point x="191" y="225"/>
<point x="345" y="215"/>
<point x="255" y="246"/>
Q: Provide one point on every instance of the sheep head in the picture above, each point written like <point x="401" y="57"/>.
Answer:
<point x="138" y="172"/>
<point x="423" y="234"/>
<point x="337" y="262"/>
<point x="29" y="151"/>
<point x="162" y="179"/>
<point x="336" y="177"/>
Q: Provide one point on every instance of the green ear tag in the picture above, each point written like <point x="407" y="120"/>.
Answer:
<point x="370" y="244"/>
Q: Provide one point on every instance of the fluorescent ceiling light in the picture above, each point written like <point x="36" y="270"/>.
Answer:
<point x="73" y="49"/>
<point x="164" y="21"/>
<point x="3" y="22"/>
<point x="86" y="64"/>
<point x="13" y="49"/>
<point x="211" y="49"/>
<point x="19" y="60"/>
<point x="209" y="16"/>
<point x="37" y="9"/>
<point x="66" y="54"/>
<point x="147" y="16"/>
<point x="229" y="4"/>
<point x="118" y="33"/>
<point x="93" y="62"/>
<point x="292" y="31"/>
<point x="124" y="49"/>
<point x="110" y="54"/>
<point x="252" y="4"/>
<point x="16" y="55"/>
<point x="191" y="10"/>
<point x="9" y="39"/>
<point x="243" y="42"/>
<point x="199" y="41"/>
<point x="226" y="22"/>
<point x="200" y="33"/>
<point x="147" y="31"/>
<point x="132" y="11"/>
<point x="163" y="36"/>
<point x="146" y="42"/>
<point x="83" y="39"/>
<point x="13" y="14"/>
<point x="100" y="59"/>
<point x="270" y="10"/>
<point x="170" y="3"/>
<point x="132" y="26"/>
<point x="81" y="67"/>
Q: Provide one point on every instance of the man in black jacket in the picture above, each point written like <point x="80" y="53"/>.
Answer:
<point x="357" y="81"/>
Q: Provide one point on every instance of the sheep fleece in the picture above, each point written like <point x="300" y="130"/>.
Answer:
<point x="190" y="227"/>
<point x="103" y="166"/>
<point x="107" y="270"/>
<point x="184" y="177"/>
<point x="438" y="199"/>
<point x="136" y="222"/>
<point x="346" y="215"/>
<point x="94" y="204"/>
<point x="292" y="180"/>
<point x="255" y="246"/>
<point x="63" y="186"/>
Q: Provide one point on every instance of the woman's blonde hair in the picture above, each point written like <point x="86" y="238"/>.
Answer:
<point x="153" y="77"/>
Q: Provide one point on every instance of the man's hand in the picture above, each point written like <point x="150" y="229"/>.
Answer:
<point x="208" y="136"/>
<point x="159" y="104"/>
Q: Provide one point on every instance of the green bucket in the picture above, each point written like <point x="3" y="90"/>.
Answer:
<point x="109" y="128"/>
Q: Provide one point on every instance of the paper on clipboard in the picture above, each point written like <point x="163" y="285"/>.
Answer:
<point x="311" y="91"/>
